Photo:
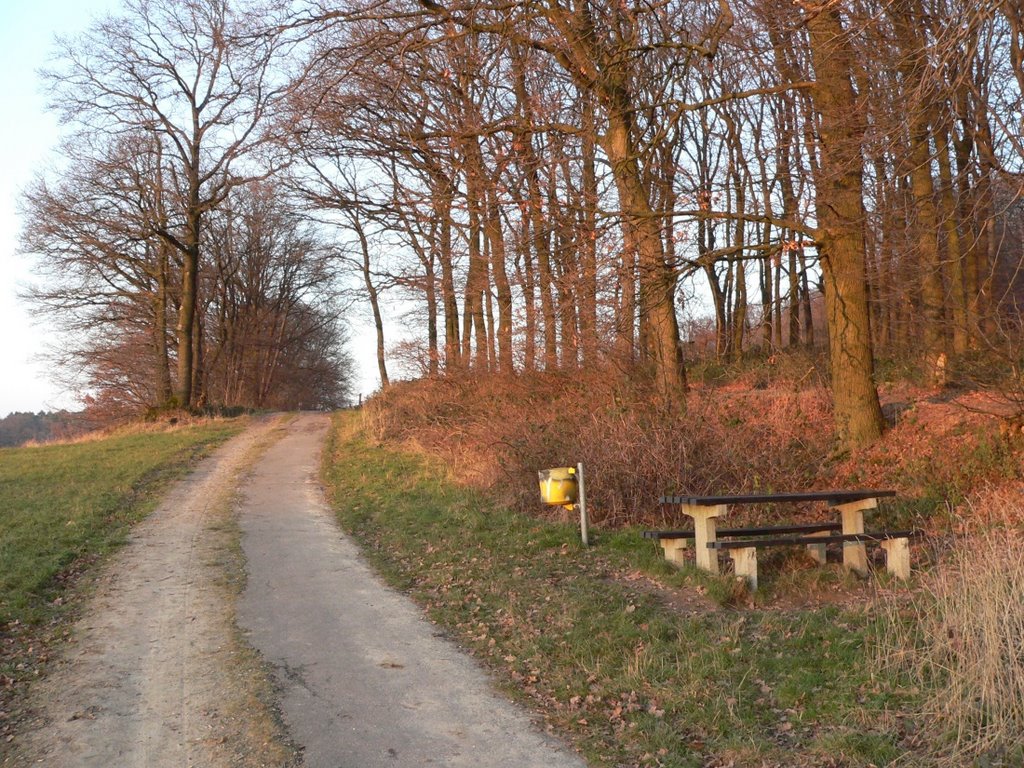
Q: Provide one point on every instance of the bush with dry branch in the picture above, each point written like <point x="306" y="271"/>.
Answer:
<point x="500" y="429"/>
<point x="960" y="640"/>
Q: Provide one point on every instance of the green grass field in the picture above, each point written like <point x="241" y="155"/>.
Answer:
<point x="584" y="637"/>
<point x="64" y="506"/>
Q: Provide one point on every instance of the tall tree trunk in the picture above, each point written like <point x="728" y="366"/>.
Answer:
<point x="587" y="291"/>
<point x="529" y="284"/>
<point x="625" y="318"/>
<point x="442" y="201"/>
<point x="564" y="266"/>
<point x="927" y="227"/>
<point x="840" y="213"/>
<point x="186" y="323"/>
<point x="794" y="298"/>
<point x="161" y="362"/>
<point x="706" y="242"/>
<point x="967" y="194"/>
<point x="767" y="303"/>
<point x="908" y="19"/>
<point x="492" y="331"/>
<point x="983" y="252"/>
<point x="542" y="247"/>
<point x="497" y="262"/>
<point x="567" y="301"/>
<point x="476" y="281"/>
<point x="198" y="367"/>
<point x="430" y="278"/>
<point x="372" y="294"/>
<point x="777" y="260"/>
<point x="951" y="228"/>
<point x="534" y="215"/>
<point x="805" y="292"/>
<point x="656" y="277"/>
<point x="739" y="313"/>
<point x="783" y="154"/>
<point x="496" y="238"/>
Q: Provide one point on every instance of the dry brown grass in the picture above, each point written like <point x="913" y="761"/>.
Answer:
<point x="500" y="430"/>
<point x="960" y="640"/>
<point x="731" y="436"/>
<point x="177" y="420"/>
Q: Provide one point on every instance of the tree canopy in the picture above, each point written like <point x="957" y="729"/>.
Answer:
<point x="554" y="185"/>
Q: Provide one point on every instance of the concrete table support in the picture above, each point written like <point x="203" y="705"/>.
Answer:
<point x="855" y="554"/>
<point x="818" y="552"/>
<point x="705" y="528"/>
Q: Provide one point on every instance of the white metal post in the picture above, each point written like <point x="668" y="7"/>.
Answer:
<point x="582" y="501"/>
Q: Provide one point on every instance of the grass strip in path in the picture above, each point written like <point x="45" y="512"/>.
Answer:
<point x="580" y="636"/>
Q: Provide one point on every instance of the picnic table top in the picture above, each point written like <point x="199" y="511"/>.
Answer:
<point x="834" y="498"/>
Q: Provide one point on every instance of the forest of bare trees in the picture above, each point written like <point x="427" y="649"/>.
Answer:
<point x="552" y="184"/>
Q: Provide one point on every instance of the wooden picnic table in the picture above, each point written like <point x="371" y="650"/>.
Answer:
<point x="705" y="511"/>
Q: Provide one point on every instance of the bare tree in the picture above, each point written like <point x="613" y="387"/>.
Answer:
<point x="270" y="325"/>
<point x="191" y="74"/>
<point x="91" y="232"/>
<point x="841" y="218"/>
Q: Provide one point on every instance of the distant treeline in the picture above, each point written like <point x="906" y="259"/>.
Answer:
<point x="20" y="428"/>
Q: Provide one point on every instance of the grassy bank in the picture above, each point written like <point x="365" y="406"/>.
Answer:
<point x="617" y="651"/>
<point x="64" y="506"/>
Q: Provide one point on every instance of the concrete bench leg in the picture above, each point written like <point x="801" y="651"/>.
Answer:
<point x="897" y="557"/>
<point x="855" y="554"/>
<point x="744" y="563"/>
<point x="705" y="530"/>
<point x="818" y="552"/>
<point x="675" y="549"/>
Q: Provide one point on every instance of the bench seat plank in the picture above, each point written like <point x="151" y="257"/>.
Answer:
<point x="839" y="538"/>
<point x="778" y="529"/>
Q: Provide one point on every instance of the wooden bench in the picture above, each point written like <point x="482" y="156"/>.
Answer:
<point x="705" y="511"/>
<point x="896" y="545"/>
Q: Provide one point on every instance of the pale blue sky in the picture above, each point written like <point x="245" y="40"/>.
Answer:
<point x="27" y="136"/>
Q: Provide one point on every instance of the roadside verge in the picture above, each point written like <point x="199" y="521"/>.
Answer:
<point x="592" y="639"/>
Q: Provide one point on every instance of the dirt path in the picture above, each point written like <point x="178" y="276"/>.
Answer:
<point x="365" y="680"/>
<point x="157" y="675"/>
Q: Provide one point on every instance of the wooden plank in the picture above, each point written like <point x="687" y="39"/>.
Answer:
<point x="768" y="531"/>
<point x="834" y="497"/>
<point x="838" y="538"/>
<point x="667" y="534"/>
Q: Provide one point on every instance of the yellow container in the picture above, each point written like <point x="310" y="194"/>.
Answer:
<point x="558" y="486"/>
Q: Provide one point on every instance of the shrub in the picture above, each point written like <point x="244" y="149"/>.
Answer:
<point x="496" y="430"/>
